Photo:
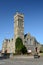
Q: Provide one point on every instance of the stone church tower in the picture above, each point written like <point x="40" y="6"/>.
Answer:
<point x="19" y="26"/>
<point x="28" y="40"/>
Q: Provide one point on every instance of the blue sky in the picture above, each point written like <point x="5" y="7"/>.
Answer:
<point x="33" y="18"/>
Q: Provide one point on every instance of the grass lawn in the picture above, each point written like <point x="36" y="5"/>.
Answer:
<point x="41" y="54"/>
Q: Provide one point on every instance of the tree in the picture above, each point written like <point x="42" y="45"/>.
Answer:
<point x="20" y="48"/>
<point x="18" y="45"/>
<point x="23" y="50"/>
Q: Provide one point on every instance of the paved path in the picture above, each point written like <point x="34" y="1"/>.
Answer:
<point x="22" y="61"/>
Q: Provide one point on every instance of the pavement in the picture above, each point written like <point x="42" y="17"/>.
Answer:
<point x="22" y="60"/>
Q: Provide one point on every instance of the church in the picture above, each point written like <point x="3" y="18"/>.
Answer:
<point x="29" y="41"/>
